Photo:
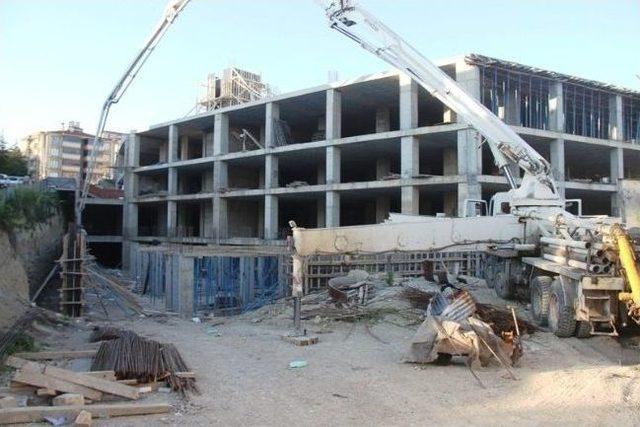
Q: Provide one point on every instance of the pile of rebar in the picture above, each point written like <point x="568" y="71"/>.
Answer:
<point x="131" y="356"/>
<point x="594" y="258"/>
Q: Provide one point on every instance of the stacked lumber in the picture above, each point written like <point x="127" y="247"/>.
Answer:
<point x="72" y="394"/>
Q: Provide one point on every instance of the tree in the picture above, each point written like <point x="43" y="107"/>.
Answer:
<point x="12" y="162"/>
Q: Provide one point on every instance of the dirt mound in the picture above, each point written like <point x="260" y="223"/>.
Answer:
<point x="14" y="284"/>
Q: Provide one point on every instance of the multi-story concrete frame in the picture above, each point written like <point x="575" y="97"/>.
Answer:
<point x="349" y="153"/>
<point x="57" y="153"/>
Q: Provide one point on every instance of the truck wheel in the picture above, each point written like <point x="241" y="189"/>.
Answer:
<point x="540" y="293"/>
<point x="561" y="317"/>
<point x="583" y="330"/>
<point x="503" y="286"/>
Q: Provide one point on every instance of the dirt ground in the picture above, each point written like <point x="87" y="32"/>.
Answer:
<point x="355" y="376"/>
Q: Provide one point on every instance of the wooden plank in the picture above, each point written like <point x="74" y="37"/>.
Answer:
<point x="55" y="355"/>
<point x="44" y="381"/>
<point x="110" y="387"/>
<point x="105" y="375"/>
<point x="34" y="414"/>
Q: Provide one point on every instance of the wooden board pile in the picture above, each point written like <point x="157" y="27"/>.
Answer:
<point x="131" y="356"/>
<point x="72" y="395"/>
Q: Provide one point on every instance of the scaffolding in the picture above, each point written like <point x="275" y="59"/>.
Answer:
<point x="232" y="87"/>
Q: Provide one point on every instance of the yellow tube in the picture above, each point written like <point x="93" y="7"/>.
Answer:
<point x="628" y="262"/>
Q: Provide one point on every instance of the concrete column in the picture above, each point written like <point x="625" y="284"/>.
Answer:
<point x="130" y="209"/>
<point x="512" y="107"/>
<point x="615" y="118"/>
<point x="408" y="103"/>
<point x="332" y="168"/>
<point x="184" y="147"/>
<point x="172" y="147"/>
<point x="617" y="164"/>
<point x="409" y="167"/>
<point x="220" y="218"/>
<point x="556" y="107"/>
<point x="220" y="181"/>
<point x="185" y="291"/>
<point x="333" y="114"/>
<point x="172" y="218"/>
<point x="270" y="217"/>
<point x="221" y="134"/>
<point x="383" y="119"/>
<point x="556" y="148"/>
<point x="617" y="175"/>
<point x="272" y="114"/>
<point x="332" y="209"/>
<point x="468" y="77"/>
<point x="172" y="181"/>
<point x="469" y="167"/>
<point x="271" y="171"/>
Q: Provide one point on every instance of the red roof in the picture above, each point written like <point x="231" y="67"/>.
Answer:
<point x="105" y="193"/>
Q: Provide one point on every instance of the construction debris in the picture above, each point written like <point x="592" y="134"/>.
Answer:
<point x="451" y="329"/>
<point x="133" y="357"/>
<point x="84" y="419"/>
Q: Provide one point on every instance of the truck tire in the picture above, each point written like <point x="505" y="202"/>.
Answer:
<point x="503" y="285"/>
<point x="540" y="293"/>
<point x="583" y="330"/>
<point x="561" y="317"/>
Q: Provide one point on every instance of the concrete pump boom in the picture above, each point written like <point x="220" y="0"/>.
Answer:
<point x="172" y="10"/>
<point x="538" y="187"/>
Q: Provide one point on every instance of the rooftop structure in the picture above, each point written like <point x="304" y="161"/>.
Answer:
<point x="232" y="87"/>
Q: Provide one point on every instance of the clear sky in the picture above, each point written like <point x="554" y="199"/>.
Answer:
<point x="60" y="58"/>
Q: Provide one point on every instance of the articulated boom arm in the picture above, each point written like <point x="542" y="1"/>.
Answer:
<point x="170" y="13"/>
<point x="506" y="146"/>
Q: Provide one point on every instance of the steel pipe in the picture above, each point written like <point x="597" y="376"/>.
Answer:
<point x="566" y="242"/>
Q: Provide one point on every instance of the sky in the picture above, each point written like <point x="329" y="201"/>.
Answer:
<point x="59" y="59"/>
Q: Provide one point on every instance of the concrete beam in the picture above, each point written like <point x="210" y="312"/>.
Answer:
<point x="270" y="217"/>
<point x="221" y="134"/>
<point x="615" y="118"/>
<point x="333" y="114"/>
<point x="556" y="107"/>
<point x="272" y="114"/>
<point x="408" y="103"/>
<point x="332" y="209"/>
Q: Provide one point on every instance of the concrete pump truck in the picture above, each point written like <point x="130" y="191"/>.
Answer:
<point x="580" y="273"/>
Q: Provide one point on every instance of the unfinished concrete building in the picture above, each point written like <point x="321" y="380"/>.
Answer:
<point x="350" y="153"/>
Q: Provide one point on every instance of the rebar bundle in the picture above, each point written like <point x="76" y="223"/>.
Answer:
<point x="131" y="356"/>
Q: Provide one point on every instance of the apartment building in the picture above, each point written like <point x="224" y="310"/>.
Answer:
<point x="58" y="153"/>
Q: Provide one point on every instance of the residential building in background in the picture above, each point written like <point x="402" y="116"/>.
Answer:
<point x="58" y="153"/>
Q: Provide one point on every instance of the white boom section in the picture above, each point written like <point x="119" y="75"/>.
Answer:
<point x="173" y="9"/>
<point x="506" y="146"/>
<point x="429" y="234"/>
